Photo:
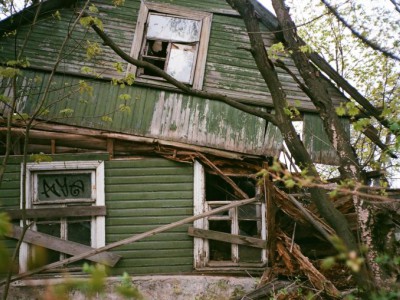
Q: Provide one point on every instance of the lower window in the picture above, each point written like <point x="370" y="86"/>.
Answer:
<point x="61" y="198"/>
<point x="220" y="249"/>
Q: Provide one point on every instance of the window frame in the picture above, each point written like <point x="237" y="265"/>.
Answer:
<point x="201" y="245"/>
<point x="97" y="223"/>
<point x="139" y="40"/>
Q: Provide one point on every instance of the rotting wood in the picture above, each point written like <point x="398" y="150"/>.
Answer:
<point x="322" y="228"/>
<point x="300" y="213"/>
<point x="271" y="209"/>
<point x="133" y="238"/>
<point x="206" y="161"/>
<point x="53" y="146"/>
<point x="59" y="212"/>
<point x="227" y="237"/>
<point x="110" y="147"/>
<point x="86" y="133"/>
<point x="304" y="264"/>
<point x="64" y="246"/>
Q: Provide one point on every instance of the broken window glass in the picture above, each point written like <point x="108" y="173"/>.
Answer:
<point x="173" y="29"/>
<point x="171" y="45"/>
<point x="246" y="220"/>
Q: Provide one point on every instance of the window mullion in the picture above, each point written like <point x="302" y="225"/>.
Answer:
<point x="234" y="230"/>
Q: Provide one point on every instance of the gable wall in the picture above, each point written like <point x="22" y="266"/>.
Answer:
<point x="230" y="67"/>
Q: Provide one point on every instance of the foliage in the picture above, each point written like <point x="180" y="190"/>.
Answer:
<point x="374" y="75"/>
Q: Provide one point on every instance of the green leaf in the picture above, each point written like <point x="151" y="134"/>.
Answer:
<point x="92" y="50"/>
<point x="340" y="111"/>
<point x="124" y="97"/>
<point x="93" y="9"/>
<point x="5" y="225"/>
<point x="328" y="262"/>
<point x="41" y="157"/>
<point x="118" y="67"/>
<point x="106" y="119"/>
<point x="289" y="183"/>
<point x="124" y="108"/>
<point x="66" y="112"/>
<point x="57" y="15"/>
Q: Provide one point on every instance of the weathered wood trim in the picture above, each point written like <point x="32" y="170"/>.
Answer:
<point x="52" y="129"/>
<point x="165" y="8"/>
<point x="59" y="212"/>
<point x="227" y="237"/>
<point x="200" y="251"/>
<point x="64" y="246"/>
<point x="139" y="32"/>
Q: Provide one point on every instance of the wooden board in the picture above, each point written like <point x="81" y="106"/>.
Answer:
<point x="59" y="212"/>
<point x="64" y="246"/>
<point x="226" y="237"/>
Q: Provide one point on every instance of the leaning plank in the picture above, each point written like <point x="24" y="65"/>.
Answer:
<point x="64" y="246"/>
<point x="226" y="237"/>
<point x="59" y="212"/>
<point x="223" y="176"/>
<point x="133" y="238"/>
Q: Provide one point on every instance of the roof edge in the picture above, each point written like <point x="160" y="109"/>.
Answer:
<point x="28" y="14"/>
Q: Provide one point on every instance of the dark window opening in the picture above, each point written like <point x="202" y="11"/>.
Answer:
<point x="72" y="229"/>
<point x="245" y="220"/>
<point x="218" y="189"/>
<point x="220" y="251"/>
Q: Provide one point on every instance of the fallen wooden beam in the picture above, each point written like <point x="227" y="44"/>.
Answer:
<point x="227" y="237"/>
<point x="206" y="161"/>
<point x="64" y="246"/>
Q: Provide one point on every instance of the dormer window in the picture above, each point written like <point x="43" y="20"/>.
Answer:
<point x="174" y="39"/>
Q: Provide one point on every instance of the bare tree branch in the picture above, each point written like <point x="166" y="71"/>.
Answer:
<point x="366" y="41"/>
<point x="396" y="4"/>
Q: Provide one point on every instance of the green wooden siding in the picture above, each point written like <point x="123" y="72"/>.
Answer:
<point x="142" y="195"/>
<point x="317" y="142"/>
<point x="229" y="69"/>
<point x="153" y="113"/>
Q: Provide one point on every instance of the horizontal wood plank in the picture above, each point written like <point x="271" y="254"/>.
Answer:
<point x="226" y="237"/>
<point x="64" y="246"/>
<point x="59" y="212"/>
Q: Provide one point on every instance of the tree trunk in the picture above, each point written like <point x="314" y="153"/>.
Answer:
<point x="293" y="142"/>
<point x="349" y="166"/>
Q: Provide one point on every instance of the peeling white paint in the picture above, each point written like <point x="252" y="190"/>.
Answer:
<point x="176" y="118"/>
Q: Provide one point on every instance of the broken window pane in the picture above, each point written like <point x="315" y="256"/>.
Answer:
<point x="220" y="251"/>
<point x="246" y="253"/>
<point x="181" y="62"/>
<point x="173" y="29"/>
<point x="79" y="231"/>
<point x="42" y="255"/>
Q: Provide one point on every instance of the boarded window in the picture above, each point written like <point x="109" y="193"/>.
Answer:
<point x="222" y="248"/>
<point x="65" y="186"/>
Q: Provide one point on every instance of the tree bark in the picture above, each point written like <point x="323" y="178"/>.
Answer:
<point x="293" y="142"/>
<point x="349" y="166"/>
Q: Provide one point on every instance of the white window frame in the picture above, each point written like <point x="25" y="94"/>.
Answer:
<point x="201" y="245"/>
<point x="174" y="11"/>
<point x="96" y="168"/>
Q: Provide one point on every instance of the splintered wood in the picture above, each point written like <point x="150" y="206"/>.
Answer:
<point x="303" y="263"/>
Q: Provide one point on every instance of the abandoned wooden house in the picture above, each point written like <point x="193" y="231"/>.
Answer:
<point x="108" y="159"/>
